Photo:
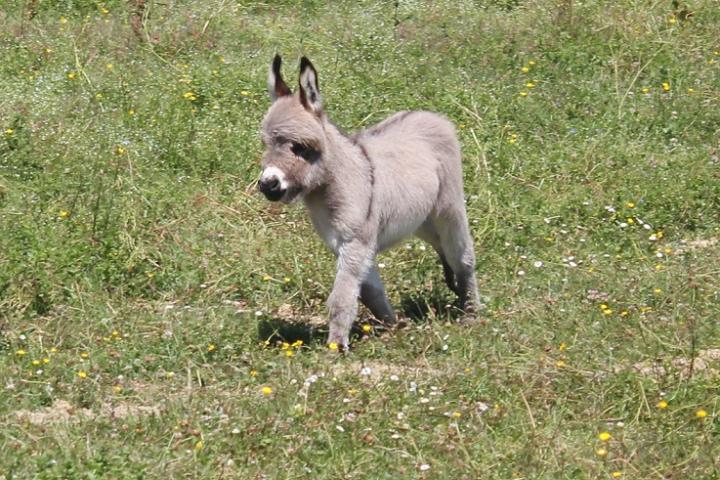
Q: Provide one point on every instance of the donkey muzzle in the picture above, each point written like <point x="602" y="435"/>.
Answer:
<point x="272" y="188"/>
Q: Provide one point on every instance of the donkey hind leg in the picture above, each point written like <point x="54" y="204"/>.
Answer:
<point x="457" y="246"/>
<point x="373" y="296"/>
<point x="428" y="233"/>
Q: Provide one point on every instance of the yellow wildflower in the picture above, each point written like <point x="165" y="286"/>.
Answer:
<point x="604" y="436"/>
<point x="333" y="346"/>
<point x="601" y="452"/>
<point x="71" y="75"/>
<point x="666" y="87"/>
<point x="199" y="445"/>
<point x="21" y="353"/>
<point x="662" y="404"/>
<point x="616" y="474"/>
<point x="289" y="353"/>
<point x="82" y="374"/>
<point x="211" y="347"/>
<point x="366" y="328"/>
<point x="525" y="69"/>
<point x="9" y="131"/>
<point x="266" y="391"/>
<point x="701" y="414"/>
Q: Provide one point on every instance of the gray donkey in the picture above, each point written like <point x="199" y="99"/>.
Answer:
<point x="367" y="191"/>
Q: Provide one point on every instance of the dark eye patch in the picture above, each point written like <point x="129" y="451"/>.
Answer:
<point x="305" y="152"/>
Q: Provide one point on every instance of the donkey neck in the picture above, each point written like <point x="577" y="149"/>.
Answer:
<point x="343" y="203"/>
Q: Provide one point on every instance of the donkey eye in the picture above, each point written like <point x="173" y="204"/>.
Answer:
<point x="305" y="152"/>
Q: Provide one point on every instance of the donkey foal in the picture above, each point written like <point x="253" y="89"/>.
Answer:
<point x="368" y="191"/>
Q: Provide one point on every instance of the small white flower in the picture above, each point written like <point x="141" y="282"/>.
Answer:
<point x="365" y="371"/>
<point x="424" y="400"/>
<point x="394" y="378"/>
<point x="538" y="264"/>
<point x="521" y="273"/>
<point x="424" y="467"/>
<point x="339" y="428"/>
<point x="259" y="313"/>
<point x="381" y="265"/>
<point x="422" y="248"/>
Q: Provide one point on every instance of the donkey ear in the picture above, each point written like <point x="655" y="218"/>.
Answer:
<point x="309" y="90"/>
<point x="276" y="85"/>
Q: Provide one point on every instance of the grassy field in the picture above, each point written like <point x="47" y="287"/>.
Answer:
<point x="146" y="289"/>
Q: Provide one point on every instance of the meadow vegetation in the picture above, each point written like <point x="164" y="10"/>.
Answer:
<point x="158" y="318"/>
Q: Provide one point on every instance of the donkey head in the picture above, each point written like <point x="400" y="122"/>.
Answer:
<point x="293" y="135"/>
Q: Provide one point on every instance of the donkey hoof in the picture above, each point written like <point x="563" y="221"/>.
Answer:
<point x="338" y="343"/>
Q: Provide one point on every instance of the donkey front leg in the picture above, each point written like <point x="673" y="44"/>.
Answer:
<point x="353" y="263"/>
<point x="373" y="296"/>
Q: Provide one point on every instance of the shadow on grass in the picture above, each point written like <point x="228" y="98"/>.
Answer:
<point x="418" y="307"/>
<point x="283" y="330"/>
<point x="430" y="305"/>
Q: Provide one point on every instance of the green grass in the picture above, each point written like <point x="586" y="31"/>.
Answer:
<point x="140" y="273"/>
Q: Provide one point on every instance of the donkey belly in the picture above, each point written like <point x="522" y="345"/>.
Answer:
<point x="404" y="209"/>
<point x="395" y="232"/>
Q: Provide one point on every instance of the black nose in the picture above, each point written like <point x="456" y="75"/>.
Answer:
<point x="270" y="187"/>
<point x="269" y="184"/>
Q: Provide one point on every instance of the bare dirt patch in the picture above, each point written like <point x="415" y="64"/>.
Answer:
<point x="707" y="363"/>
<point x="62" y="411"/>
